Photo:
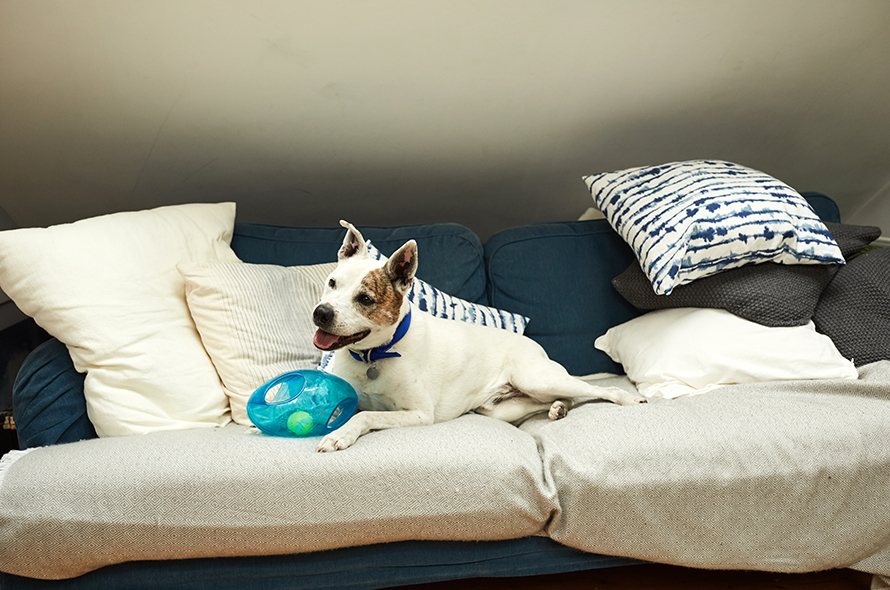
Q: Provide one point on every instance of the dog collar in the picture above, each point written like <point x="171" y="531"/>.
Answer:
<point x="372" y="355"/>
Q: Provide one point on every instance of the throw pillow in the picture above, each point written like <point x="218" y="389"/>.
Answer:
<point x="852" y="239"/>
<point x="674" y="352"/>
<point x="433" y="301"/>
<point x="770" y="294"/>
<point x="854" y="309"/>
<point x="108" y="288"/>
<point x="255" y="321"/>
<point x="688" y="220"/>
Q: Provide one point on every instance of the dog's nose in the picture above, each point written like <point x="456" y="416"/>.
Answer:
<point x="323" y="315"/>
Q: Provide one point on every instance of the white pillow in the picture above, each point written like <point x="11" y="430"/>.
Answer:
<point x="440" y="304"/>
<point x="688" y="220"/>
<point x="681" y="351"/>
<point x="255" y="321"/>
<point x="108" y="288"/>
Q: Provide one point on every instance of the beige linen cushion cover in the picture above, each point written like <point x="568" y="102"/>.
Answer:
<point x="255" y="321"/>
<point x="69" y="509"/>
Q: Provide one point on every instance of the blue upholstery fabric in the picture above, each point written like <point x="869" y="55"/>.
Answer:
<point x="354" y="568"/>
<point x="48" y="403"/>
<point x="824" y="206"/>
<point x="555" y="273"/>
<point x="450" y="255"/>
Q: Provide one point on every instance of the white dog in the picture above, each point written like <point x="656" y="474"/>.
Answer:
<point x="411" y="368"/>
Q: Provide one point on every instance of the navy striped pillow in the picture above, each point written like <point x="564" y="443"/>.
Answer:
<point x="688" y="220"/>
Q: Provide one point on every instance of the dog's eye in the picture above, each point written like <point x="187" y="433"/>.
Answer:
<point x="332" y="283"/>
<point x="365" y="299"/>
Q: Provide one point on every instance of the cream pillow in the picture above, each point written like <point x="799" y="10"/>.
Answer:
<point x="108" y="288"/>
<point x="255" y="321"/>
<point x="674" y="352"/>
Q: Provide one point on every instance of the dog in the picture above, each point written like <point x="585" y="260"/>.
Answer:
<point x="411" y="368"/>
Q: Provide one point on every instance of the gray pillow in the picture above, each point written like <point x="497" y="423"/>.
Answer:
<point x="770" y="294"/>
<point x="852" y="239"/>
<point x="854" y="310"/>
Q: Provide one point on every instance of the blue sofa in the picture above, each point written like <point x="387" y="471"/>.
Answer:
<point x="557" y="274"/>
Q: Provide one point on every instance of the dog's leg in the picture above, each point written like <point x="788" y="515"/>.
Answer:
<point x="364" y="422"/>
<point x="548" y="381"/>
<point x="514" y="409"/>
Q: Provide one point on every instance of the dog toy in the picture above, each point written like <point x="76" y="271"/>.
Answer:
<point x="302" y="403"/>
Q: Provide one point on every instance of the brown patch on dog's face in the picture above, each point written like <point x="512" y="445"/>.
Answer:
<point x="377" y="299"/>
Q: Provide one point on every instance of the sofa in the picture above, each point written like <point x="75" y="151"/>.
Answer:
<point x="783" y="473"/>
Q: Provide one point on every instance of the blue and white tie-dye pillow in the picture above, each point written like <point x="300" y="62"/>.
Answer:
<point x="427" y="298"/>
<point x="688" y="220"/>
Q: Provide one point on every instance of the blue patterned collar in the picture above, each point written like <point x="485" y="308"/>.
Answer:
<point x="383" y="352"/>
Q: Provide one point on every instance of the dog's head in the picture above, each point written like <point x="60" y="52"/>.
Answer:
<point x="363" y="298"/>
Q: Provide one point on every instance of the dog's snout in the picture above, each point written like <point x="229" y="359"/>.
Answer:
<point x="323" y="315"/>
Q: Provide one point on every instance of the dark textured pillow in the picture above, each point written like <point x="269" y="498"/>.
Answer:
<point x="854" y="310"/>
<point x="852" y="239"/>
<point x="770" y="294"/>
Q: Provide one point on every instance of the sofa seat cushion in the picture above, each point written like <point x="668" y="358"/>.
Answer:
<point x="767" y="476"/>
<point x="69" y="509"/>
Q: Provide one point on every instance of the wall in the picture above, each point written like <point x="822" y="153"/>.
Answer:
<point x="480" y="112"/>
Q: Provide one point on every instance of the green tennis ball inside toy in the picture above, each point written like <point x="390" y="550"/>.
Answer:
<point x="300" y="423"/>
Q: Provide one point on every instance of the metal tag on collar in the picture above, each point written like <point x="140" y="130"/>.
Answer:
<point x="373" y="372"/>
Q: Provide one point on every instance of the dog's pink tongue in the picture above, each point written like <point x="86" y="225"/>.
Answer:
<point x="323" y="340"/>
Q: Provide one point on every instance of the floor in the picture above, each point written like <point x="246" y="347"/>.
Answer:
<point x="662" y="577"/>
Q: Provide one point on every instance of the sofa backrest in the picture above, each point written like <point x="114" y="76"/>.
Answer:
<point x="559" y="276"/>
<point x="450" y="255"/>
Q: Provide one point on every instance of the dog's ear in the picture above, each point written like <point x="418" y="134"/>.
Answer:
<point x="353" y="243"/>
<point x="402" y="265"/>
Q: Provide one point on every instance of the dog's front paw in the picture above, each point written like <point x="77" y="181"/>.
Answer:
<point x="336" y="441"/>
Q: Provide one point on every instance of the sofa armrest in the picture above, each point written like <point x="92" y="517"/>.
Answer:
<point x="48" y="402"/>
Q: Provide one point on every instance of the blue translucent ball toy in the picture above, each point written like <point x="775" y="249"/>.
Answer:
<point x="302" y="403"/>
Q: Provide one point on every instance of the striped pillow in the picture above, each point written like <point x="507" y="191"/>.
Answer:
<point x="433" y="301"/>
<point x="255" y="321"/>
<point x="688" y="220"/>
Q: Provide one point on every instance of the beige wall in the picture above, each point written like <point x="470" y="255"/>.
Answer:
<point x="387" y="112"/>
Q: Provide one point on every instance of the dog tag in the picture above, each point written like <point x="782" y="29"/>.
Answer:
<point x="372" y="373"/>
